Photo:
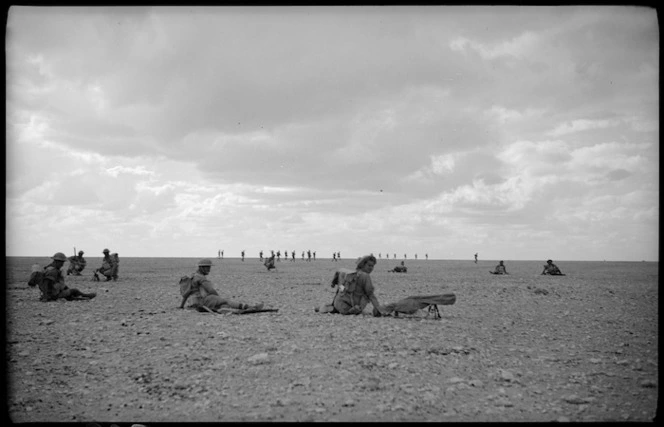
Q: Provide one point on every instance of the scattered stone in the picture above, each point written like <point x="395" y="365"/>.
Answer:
<point x="476" y="383"/>
<point x="648" y="383"/>
<point x="259" y="359"/>
<point x="576" y="400"/>
<point x="594" y="360"/>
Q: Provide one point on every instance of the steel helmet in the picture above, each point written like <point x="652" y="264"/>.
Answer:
<point x="205" y="262"/>
<point x="81" y="252"/>
<point x="105" y="251"/>
<point x="59" y="256"/>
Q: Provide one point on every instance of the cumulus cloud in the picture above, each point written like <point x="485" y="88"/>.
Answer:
<point x="405" y="128"/>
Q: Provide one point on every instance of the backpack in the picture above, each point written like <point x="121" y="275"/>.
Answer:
<point x="185" y="284"/>
<point x="345" y="279"/>
<point x="36" y="276"/>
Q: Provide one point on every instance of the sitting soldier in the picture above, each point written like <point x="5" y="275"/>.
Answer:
<point x="399" y="269"/>
<point x="500" y="269"/>
<point x="205" y="296"/>
<point x="52" y="285"/>
<point x="551" y="269"/>
<point x="76" y="264"/>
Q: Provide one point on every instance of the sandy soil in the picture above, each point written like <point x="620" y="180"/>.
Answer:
<point x="522" y="347"/>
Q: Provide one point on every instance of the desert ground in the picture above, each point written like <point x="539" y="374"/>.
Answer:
<point x="520" y="347"/>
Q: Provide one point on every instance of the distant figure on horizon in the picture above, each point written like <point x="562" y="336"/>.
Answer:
<point x="309" y="255"/>
<point x="387" y="255"/>
<point x="404" y="256"/>
<point x="500" y="269"/>
<point x="222" y="254"/>
<point x="395" y="256"/>
<point x="242" y="255"/>
<point x="475" y="258"/>
<point x="314" y="253"/>
<point x="293" y="257"/>
<point x="261" y="256"/>
<point x="551" y="269"/>
<point x="426" y="256"/>
<point x="399" y="269"/>
<point x="338" y="255"/>
<point x="334" y="256"/>
<point x="219" y="253"/>
<point x="279" y="256"/>
<point x="415" y="256"/>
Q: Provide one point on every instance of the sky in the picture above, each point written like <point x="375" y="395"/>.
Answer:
<point x="513" y="132"/>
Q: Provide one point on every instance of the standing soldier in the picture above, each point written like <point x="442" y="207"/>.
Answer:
<point x="53" y="287"/>
<point x="76" y="264"/>
<point x="293" y="257"/>
<point x="260" y="255"/>
<point x="242" y="255"/>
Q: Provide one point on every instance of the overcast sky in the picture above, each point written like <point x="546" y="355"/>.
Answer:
<point x="519" y="133"/>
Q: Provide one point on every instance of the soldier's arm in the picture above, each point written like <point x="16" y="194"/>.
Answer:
<point x="369" y="291"/>
<point x="207" y="285"/>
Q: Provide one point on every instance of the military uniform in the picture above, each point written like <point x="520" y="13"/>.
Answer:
<point x="355" y="298"/>
<point x="76" y="264"/>
<point x="53" y="285"/>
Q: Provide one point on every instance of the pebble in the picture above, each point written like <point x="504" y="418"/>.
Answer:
<point x="648" y="383"/>
<point x="258" y="359"/>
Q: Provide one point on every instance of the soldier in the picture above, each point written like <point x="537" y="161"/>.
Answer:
<point x="353" y="301"/>
<point x="116" y="266"/>
<point x="107" y="267"/>
<point x="500" y="269"/>
<point x="399" y="269"/>
<point x="204" y="294"/>
<point x="53" y="286"/>
<point x="551" y="269"/>
<point x="76" y="264"/>
<point x="269" y="263"/>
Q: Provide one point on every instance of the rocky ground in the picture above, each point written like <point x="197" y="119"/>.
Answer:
<point x="523" y="347"/>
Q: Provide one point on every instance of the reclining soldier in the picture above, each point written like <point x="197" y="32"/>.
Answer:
<point x="205" y="295"/>
<point x="53" y="286"/>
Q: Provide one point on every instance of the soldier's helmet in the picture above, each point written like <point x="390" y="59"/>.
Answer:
<point x="59" y="256"/>
<point x="81" y="252"/>
<point x="205" y="263"/>
<point x="106" y="251"/>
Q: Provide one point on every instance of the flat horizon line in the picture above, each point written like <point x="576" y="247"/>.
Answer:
<point x="354" y="258"/>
